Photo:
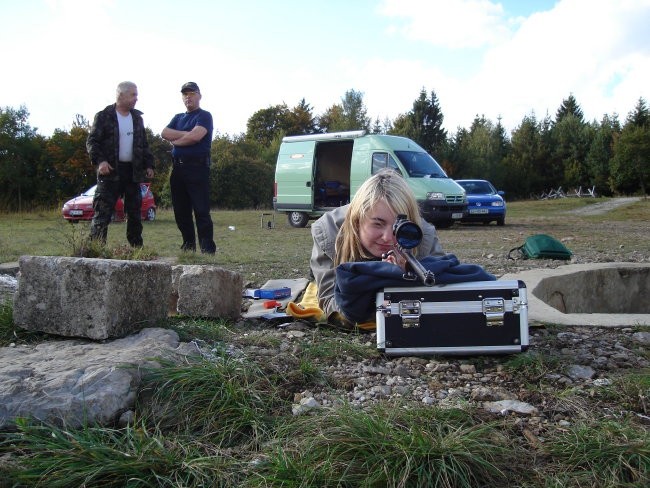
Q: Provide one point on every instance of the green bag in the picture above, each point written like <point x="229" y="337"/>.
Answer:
<point x="542" y="246"/>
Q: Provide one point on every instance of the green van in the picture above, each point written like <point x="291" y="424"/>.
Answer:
<point x="315" y="173"/>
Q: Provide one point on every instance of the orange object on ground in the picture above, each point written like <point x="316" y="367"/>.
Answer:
<point x="272" y="304"/>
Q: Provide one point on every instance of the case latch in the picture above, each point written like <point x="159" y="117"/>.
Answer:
<point x="494" y="310"/>
<point x="517" y="304"/>
<point x="410" y="311"/>
<point x="385" y="309"/>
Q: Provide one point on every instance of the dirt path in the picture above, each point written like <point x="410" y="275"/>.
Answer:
<point x="604" y="207"/>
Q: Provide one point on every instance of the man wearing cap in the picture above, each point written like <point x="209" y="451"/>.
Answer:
<point x="190" y="133"/>
<point x="118" y="148"/>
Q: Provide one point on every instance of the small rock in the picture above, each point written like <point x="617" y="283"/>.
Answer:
<point x="295" y="334"/>
<point x="468" y="368"/>
<point x="375" y="370"/>
<point x="504" y="406"/>
<point x="641" y="337"/>
<point x="578" y="372"/>
<point x="126" y="418"/>
<point x="402" y="371"/>
<point x="305" y="405"/>
<point x="382" y="391"/>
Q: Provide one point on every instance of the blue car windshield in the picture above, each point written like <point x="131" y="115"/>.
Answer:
<point x="478" y="187"/>
<point x="420" y="165"/>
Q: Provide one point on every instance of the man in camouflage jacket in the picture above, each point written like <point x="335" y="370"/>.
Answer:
<point x="118" y="148"/>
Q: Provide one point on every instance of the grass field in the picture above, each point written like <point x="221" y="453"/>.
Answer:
<point x="251" y="249"/>
<point x="260" y="253"/>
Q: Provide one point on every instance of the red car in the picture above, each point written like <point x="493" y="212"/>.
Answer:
<point x="81" y="207"/>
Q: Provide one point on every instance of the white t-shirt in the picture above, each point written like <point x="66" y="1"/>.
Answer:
<point x="125" y="123"/>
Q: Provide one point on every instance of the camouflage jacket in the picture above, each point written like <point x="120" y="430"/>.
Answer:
<point x="103" y="143"/>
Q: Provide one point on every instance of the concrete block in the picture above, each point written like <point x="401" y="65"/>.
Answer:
<point x="207" y="291"/>
<point x="93" y="298"/>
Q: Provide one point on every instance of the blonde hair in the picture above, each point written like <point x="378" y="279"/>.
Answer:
<point x="388" y="186"/>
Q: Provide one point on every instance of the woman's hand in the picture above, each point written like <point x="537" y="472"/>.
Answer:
<point x="394" y="258"/>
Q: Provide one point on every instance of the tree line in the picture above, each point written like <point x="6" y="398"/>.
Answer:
<point x="539" y="154"/>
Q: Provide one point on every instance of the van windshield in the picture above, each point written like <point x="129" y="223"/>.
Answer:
<point x="420" y="165"/>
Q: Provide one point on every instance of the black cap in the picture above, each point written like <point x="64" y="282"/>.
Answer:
<point x="190" y="86"/>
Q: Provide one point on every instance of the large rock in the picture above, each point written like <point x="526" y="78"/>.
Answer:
<point x="206" y="291"/>
<point x="94" y="298"/>
<point x="76" y="382"/>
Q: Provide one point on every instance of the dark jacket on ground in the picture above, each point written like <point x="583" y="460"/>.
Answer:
<point x="358" y="283"/>
<point x="103" y="143"/>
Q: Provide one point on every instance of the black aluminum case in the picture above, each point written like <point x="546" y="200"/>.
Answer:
<point x="473" y="318"/>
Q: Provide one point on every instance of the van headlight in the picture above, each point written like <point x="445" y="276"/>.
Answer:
<point x="435" y="195"/>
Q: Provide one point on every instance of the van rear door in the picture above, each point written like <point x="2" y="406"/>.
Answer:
<point x="294" y="176"/>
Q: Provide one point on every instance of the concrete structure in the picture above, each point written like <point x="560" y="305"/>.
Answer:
<point x="603" y="294"/>
<point x="93" y="298"/>
<point x="206" y="291"/>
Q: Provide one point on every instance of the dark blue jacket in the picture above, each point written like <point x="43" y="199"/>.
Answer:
<point x="357" y="283"/>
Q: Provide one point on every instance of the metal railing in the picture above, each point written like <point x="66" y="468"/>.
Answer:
<point x="560" y="193"/>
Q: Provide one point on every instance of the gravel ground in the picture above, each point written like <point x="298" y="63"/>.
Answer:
<point x="570" y="381"/>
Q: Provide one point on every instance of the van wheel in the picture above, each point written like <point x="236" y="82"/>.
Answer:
<point x="297" y="219"/>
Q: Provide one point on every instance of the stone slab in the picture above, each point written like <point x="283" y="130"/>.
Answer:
<point x="80" y="382"/>
<point x="540" y="311"/>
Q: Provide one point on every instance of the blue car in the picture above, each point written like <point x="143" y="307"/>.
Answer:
<point x="484" y="203"/>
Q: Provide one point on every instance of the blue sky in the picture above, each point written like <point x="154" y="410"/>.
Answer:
<point x="498" y="59"/>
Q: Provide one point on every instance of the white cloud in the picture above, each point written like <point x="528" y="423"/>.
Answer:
<point x="555" y="54"/>
<point x="454" y="24"/>
<point x="477" y="57"/>
<point x="599" y="51"/>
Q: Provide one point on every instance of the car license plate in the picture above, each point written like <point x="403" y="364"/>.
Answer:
<point x="478" y="210"/>
<point x="76" y="213"/>
<point x="457" y="215"/>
